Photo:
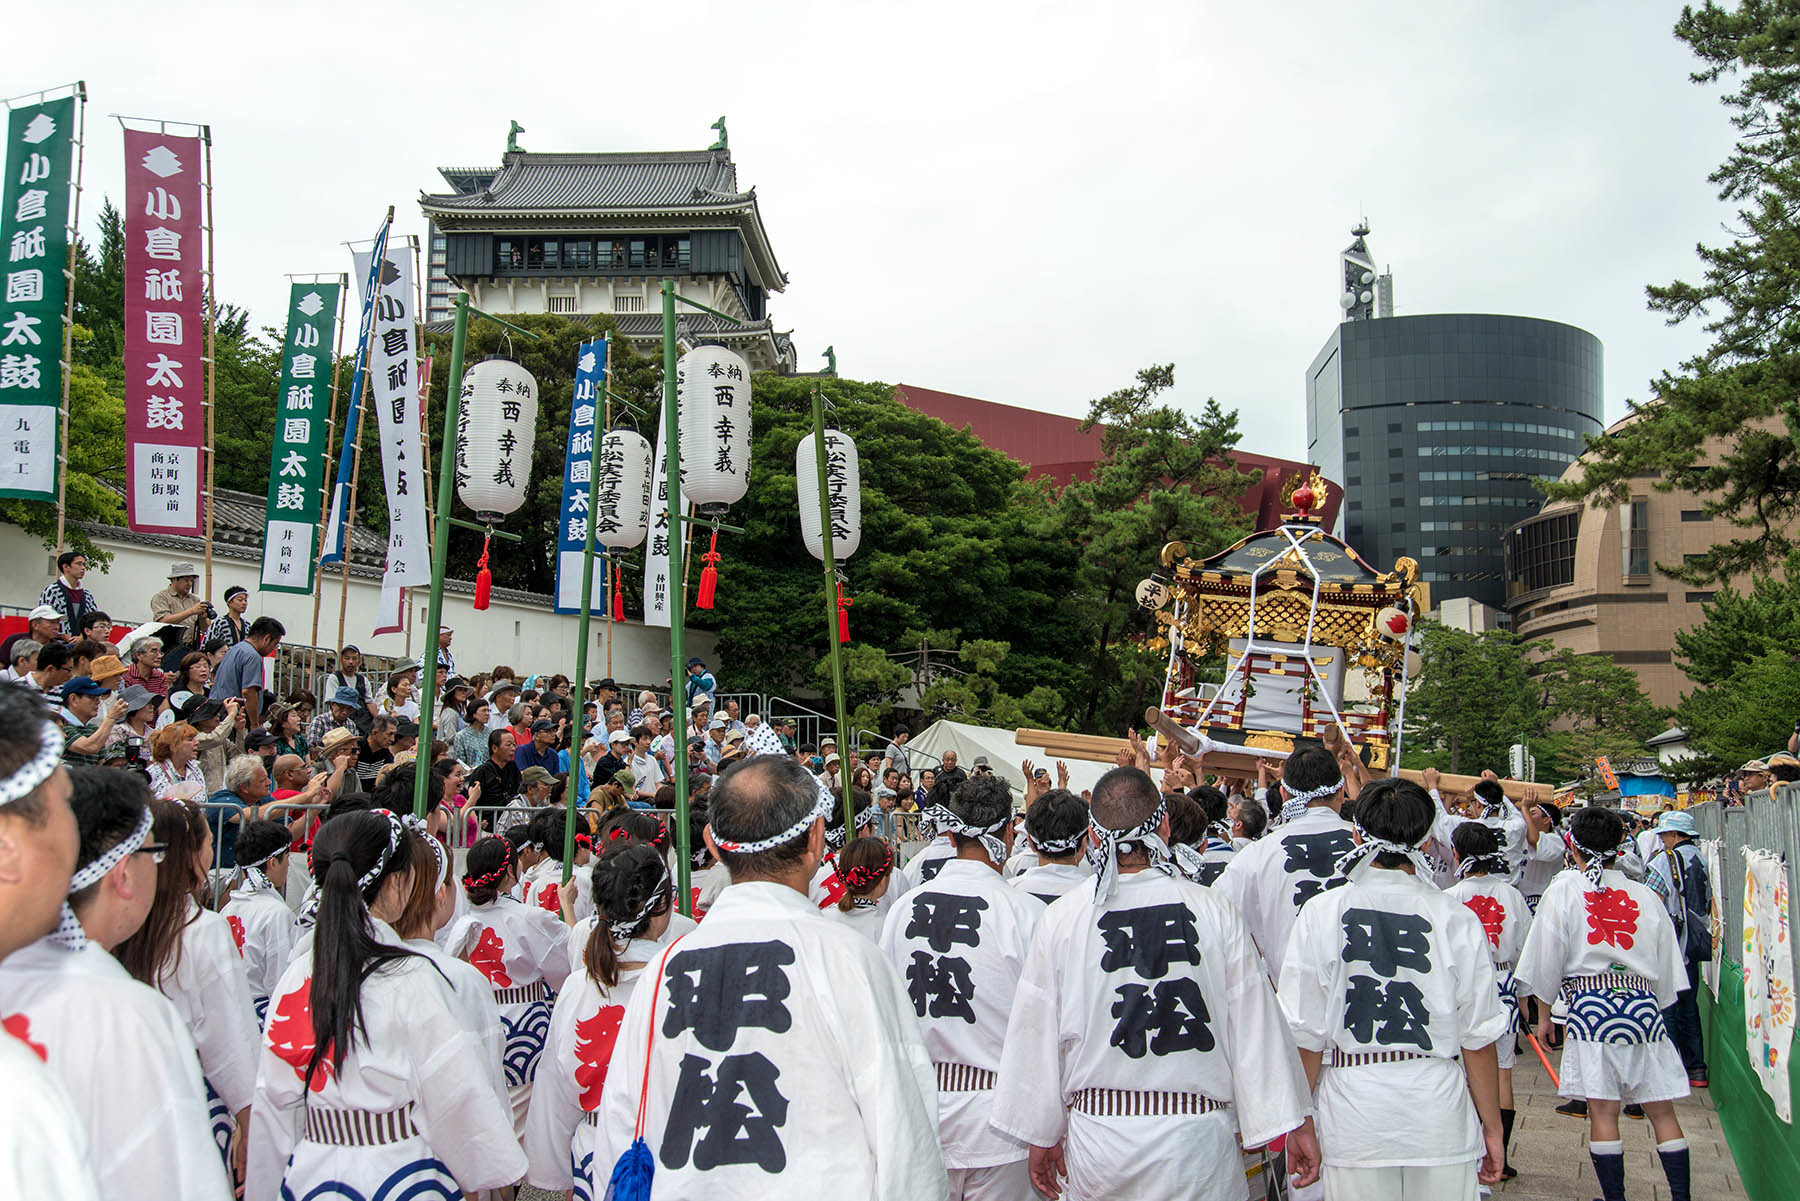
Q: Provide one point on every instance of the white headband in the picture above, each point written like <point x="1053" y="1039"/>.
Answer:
<point x="68" y="933"/>
<point x="621" y="929"/>
<point x="1103" y="855"/>
<point x="1371" y="846"/>
<point x="1297" y="802"/>
<point x="946" y="822"/>
<point x="23" y="782"/>
<point x="820" y="808"/>
<point x="417" y="824"/>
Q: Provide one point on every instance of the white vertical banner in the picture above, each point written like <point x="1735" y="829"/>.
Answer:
<point x="656" y="551"/>
<point x="393" y="401"/>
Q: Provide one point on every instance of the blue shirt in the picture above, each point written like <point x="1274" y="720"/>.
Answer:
<point x="527" y="756"/>
<point x="240" y="669"/>
<point x="219" y="808"/>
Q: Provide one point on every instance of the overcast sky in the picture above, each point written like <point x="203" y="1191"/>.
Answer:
<point x="1020" y="202"/>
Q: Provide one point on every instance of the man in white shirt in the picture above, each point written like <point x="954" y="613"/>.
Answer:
<point x="773" y="1047"/>
<point x="646" y="770"/>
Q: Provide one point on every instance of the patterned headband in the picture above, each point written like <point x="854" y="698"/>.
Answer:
<point x="821" y="807"/>
<point x="23" y="782"/>
<point x="623" y="929"/>
<point x="396" y="832"/>
<point x="417" y="825"/>
<point x="495" y="876"/>
<point x="868" y="877"/>
<point x="68" y="933"/>
<point x="1491" y="865"/>
<point x="1103" y="856"/>
<point x="1297" y="802"/>
<point x="1056" y="846"/>
<point x="1372" y="846"/>
<point x="947" y="822"/>
<point x="1597" y="861"/>
<point x="838" y="837"/>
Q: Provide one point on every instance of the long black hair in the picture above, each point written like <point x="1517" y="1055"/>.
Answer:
<point x="349" y="849"/>
<point x="485" y="870"/>
<point x="629" y="879"/>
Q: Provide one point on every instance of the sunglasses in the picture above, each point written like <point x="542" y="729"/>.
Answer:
<point x="158" y="851"/>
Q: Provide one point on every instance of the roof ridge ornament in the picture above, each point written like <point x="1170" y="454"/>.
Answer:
<point x="512" y="139"/>
<point x="724" y="142"/>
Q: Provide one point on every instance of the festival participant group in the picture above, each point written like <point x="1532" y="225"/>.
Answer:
<point x="1170" y="985"/>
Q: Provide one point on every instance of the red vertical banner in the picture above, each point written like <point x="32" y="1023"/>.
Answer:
<point x="165" y="335"/>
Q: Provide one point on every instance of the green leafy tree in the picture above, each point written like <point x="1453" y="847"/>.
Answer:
<point x="1736" y="627"/>
<point x="1474" y="698"/>
<point x="1739" y="393"/>
<point x="100" y="296"/>
<point x="1596" y="708"/>
<point x="1164" y="475"/>
<point x="973" y="693"/>
<point x="1747" y="715"/>
<point x="872" y="683"/>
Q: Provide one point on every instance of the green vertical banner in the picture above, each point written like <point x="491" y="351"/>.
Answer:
<point x="297" y="461"/>
<point x="34" y="237"/>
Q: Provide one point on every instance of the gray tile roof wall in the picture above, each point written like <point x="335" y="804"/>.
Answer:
<point x="585" y="182"/>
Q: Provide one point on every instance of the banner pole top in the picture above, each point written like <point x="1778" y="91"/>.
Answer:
<point x="78" y="90"/>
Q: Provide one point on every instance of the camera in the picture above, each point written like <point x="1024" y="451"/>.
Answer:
<point x="134" y="744"/>
<point x="208" y="612"/>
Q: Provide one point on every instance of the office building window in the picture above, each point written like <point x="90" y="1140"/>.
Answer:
<point x="1541" y="554"/>
<point x="1692" y="515"/>
<point x="1699" y="598"/>
<point x="1634" y="541"/>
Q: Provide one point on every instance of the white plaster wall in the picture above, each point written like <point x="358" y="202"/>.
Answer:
<point x="528" y="636"/>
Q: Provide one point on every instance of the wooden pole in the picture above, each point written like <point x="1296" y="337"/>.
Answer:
<point x="337" y="356"/>
<point x="350" y="503"/>
<point x="212" y="361"/>
<point x="68" y="350"/>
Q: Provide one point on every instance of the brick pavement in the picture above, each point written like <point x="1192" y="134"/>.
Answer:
<point x="1550" y="1150"/>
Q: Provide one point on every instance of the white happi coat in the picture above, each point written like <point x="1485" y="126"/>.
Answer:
<point x="559" y="1139"/>
<point x="1440" y="845"/>
<point x="1542" y="863"/>
<point x="43" y="1143"/>
<point x="928" y="860"/>
<point x="125" y="1057"/>
<point x="209" y="991"/>
<point x="414" y="1052"/>
<point x="263" y="927"/>
<point x="959" y="943"/>
<point x="582" y="930"/>
<point x="1048" y="881"/>
<point x="542" y="887"/>
<point x="1505" y="917"/>
<point x="1272" y="877"/>
<point x="516" y="946"/>
<point x="1574" y="934"/>
<point x="785" y="1057"/>
<point x="1157" y="990"/>
<point x="1390" y="964"/>
<point x="1022" y="860"/>
<point x="827" y="887"/>
<point x="707" y="885"/>
<point x="475" y="1010"/>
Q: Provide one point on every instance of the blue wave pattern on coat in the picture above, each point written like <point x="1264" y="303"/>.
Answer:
<point x="525" y="1041"/>
<point x="420" y="1180"/>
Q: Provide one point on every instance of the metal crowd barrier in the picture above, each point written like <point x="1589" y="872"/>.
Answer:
<point x="1767" y="820"/>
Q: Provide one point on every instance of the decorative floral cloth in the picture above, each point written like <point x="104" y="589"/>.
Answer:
<point x="1768" y="975"/>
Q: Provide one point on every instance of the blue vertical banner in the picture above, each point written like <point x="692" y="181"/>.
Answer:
<point x="591" y="371"/>
<point x="340" y="491"/>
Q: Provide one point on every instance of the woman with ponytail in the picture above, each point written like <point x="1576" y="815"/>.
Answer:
<point x="635" y="896"/>
<point x="867" y="869"/>
<point x="367" y="1084"/>
<point x="429" y="909"/>
<point x="523" y="952"/>
<point x="633" y="827"/>
<point x="189" y="955"/>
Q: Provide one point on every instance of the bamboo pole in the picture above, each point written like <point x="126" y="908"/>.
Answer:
<point x="68" y="350"/>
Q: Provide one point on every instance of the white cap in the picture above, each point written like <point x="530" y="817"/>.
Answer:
<point x="45" y="613"/>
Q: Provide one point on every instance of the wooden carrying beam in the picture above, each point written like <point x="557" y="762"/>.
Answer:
<point x="1234" y="760"/>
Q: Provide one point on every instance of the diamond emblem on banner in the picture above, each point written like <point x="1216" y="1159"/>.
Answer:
<point x="40" y="128"/>
<point x="310" y="304"/>
<point x="586" y="364"/>
<point x="162" y="162"/>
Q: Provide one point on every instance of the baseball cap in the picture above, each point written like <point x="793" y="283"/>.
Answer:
<point x="717" y="723"/>
<point x="618" y="736"/>
<point x="542" y="724"/>
<point x="696" y="661"/>
<point x="625" y="778"/>
<point x="535" y="775"/>
<point x="83" y="686"/>
<point x="45" y="613"/>
<point x="346" y="695"/>
<point x="256" y="740"/>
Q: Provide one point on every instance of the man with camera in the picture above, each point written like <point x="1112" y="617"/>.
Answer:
<point x="177" y="605"/>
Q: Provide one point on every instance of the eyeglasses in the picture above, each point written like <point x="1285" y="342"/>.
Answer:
<point x="157" y="851"/>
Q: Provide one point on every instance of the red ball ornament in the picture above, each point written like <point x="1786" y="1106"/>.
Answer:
<point x="1303" y="498"/>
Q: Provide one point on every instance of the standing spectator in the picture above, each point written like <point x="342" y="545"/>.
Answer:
<point x="23" y="660"/>
<point x="43" y="626"/>
<point x="446" y="661"/>
<point x="1678" y="874"/>
<point x="645" y="769"/>
<point x="349" y="674"/>
<point x="897" y="757"/>
<point x="375" y="751"/>
<point x="470" y="746"/>
<point x="700" y="682"/>
<point x="229" y="626"/>
<point x="146" y="666"/>
<point x="241" y="670"/>
<point x="177" y="605"/>
<point x="499" y="777"/>
<point x="340" y="713"/>
<point x="65" y="593"/>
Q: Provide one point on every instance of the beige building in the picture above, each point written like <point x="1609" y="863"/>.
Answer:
<point x="1586" y="578"/>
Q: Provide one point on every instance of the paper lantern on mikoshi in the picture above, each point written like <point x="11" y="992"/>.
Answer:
<point x="495" y="432"/>
<point x="714" y="389"/>
<point x="843" y="481"/>
<point x="622" y="490"/>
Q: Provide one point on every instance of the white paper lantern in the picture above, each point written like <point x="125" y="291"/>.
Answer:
<point x="621" y="490"/>
<point x="495" y="433"/>
<point x="843" y="478"/>
<point x="714" y="389"/>
<point x="1152" y="593"/>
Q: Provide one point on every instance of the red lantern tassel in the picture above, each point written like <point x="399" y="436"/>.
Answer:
<point x="484" y="579"/>
<point x="709" y="575"/>
<point x="618" y="605"/>
<point x="844" y="604"/>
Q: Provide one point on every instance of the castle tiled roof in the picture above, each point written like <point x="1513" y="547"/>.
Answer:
<point x="586" y="183"/>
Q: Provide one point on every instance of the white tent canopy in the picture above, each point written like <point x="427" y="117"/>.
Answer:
<point x="1004" y="754"/>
